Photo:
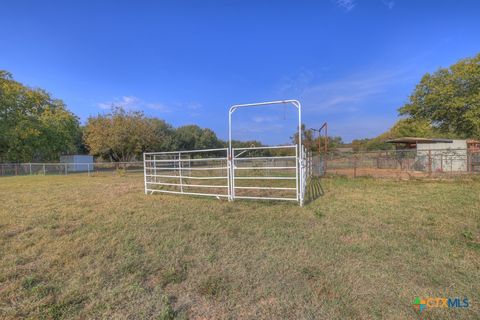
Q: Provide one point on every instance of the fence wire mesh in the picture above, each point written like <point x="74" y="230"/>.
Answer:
<point x="398" y="163"/>
<point x="18" y="169"/>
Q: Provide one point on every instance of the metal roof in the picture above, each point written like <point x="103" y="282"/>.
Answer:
<point x="419" y="140"/>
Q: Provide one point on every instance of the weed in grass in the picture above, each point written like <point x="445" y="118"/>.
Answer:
<point x="64" y="309"/>
<point x="20" y="261"/>
<point x="473" y="245"/>
<point x="311" y="272"/>
<point x="174" y="275"/>
<point x="42" y="291"/>
<point x="213" y="286"/>
<point x="167" y="312"/>
<point x="317" y="212"/>
<point x="30" y="282"/>
<point x="212" y="257"/>
<point x="130" y="265"/>
<point x="472" y="241"/>
<point x="431" y="220"/>
<point x="467" y="234"/>
<point x="53" y="226"/>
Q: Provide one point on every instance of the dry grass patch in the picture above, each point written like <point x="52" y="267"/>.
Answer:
<point x="97" y="247"/>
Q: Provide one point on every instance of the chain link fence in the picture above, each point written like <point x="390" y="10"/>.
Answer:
<point x="377" y="164"/>
<point x="19" y="169"/>
<point x="398" y="163"/>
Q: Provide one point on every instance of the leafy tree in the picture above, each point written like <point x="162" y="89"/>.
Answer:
<point x="33" y="125"/>
<point x="192" y="137"/>
<point x="402" y="128"/>
<point x="333" y="142"/>
<point x="124" y="136"/>
<point x="449" y="99"/>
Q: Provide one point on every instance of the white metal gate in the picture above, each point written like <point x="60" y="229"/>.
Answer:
<point x="194" y="172"/>
<point x="263" y="173"/>
<point x="256" y="174"/>
<point x="267" y="173"/>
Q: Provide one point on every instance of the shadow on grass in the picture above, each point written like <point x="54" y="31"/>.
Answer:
<point x="314" y="189"/>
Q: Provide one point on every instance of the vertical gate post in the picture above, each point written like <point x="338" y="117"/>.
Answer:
<point x="231" y="172"/>
<point x="180" y="171"/>
<point x="297" y="173"/>
<point x="229" y="176"/>
<point x="145" y="173"/>
<point x="154" y="167"/>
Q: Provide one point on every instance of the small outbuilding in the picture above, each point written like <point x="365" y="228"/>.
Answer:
<point x="78" y="162"/>
<point x="439" y="155"/>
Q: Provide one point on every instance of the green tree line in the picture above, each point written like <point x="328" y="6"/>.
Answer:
<point x="34" y="126"/>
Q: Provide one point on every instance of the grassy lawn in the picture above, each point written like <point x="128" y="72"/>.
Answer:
<point x="97" y="247"/>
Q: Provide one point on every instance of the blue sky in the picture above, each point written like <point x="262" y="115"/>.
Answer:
<point x="352" y="63"/>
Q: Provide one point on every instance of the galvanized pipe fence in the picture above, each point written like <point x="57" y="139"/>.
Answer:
<point x="261" y="173"/>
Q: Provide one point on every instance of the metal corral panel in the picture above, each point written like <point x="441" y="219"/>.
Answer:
<point x="443" y="157"/>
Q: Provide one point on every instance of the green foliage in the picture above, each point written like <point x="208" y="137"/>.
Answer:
<point x="34" y="126"/>
<point x="449" y="99"/>
<point x="167" y="312"/>
<point x="30" y="282"/>
<point x="124" y="136"/>
<point x="318" y="213"/>
<point x="192" y="137"/>
<point x="467" y="234"/>
<point x="409" y="127"/>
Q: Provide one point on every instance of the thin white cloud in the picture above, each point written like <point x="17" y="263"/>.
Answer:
<point x="345" y="95"/>
<point x="159" y="107"/>
<point x="191" y="109"/>
<point x="126" y="102"/>
<point x="194" y="106"/>
<point x="347" y="5"/>
<point x="135" y="103"/>
<point x="104" y="105"/>
<point x="355" y="127"/>
<point x="362" y="104"/>
<point x="295" y="85"/>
